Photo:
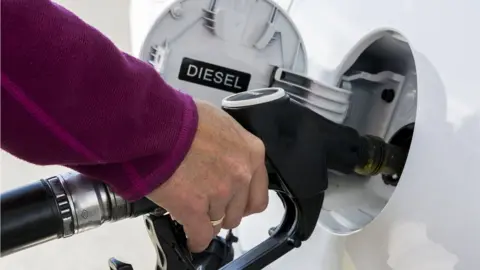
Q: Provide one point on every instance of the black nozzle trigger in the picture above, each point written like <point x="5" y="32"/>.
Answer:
<point x="170" y="243"/>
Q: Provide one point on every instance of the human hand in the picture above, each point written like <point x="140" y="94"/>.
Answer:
<point x="222" y="175"/>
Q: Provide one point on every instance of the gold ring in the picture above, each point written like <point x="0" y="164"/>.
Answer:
<point x="217" y="222"/>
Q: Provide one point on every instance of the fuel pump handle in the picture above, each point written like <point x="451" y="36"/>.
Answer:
<point x="301" y="146"/>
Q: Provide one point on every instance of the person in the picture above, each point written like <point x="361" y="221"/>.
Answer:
<point x="70" y="97"/>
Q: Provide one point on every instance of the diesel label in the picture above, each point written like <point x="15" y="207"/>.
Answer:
<point x="214" y="76"/>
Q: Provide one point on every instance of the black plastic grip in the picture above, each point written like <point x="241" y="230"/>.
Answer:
<point x="142" y="207"/>
<point x="29" y="215"/>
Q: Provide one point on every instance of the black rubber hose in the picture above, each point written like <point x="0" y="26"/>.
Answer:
<point x="29" y="215"/>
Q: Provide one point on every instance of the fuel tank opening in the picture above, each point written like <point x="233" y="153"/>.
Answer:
<point x="402" y="139"/>
<point x="381" y="75"/>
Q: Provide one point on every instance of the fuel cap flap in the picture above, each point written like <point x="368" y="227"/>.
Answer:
<point x="213" y="48"/>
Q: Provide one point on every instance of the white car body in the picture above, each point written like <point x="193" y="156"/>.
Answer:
<point x="432" y="219"/>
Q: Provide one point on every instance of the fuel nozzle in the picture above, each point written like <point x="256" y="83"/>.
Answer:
<point x="300" y="140"/>
<point x="379" y="157"/>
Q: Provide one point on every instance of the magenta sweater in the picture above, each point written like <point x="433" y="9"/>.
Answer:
<point x="71" y="98"/>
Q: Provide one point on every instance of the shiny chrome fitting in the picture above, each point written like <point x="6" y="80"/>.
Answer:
<point x="88" y="199"/>
<point x="86" y="203"/>
<point x="63" y="205"/>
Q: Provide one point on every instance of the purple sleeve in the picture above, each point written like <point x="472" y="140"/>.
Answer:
<point x="70" y="97"/>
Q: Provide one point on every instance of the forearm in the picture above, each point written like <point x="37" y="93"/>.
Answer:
<point x="70" y="97"/>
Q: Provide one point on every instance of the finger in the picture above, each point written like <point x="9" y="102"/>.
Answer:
<point x="199" y="232"/>
<point x="216" y="213"/>
<point x="217" y="228"/>
<point x="236" y="209"/>
<point x="258" y="192"/>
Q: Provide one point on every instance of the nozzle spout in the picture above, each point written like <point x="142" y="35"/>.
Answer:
<point x="379" y="157"/>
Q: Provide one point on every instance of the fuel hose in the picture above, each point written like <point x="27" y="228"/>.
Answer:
<point x="59" y="207"/>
